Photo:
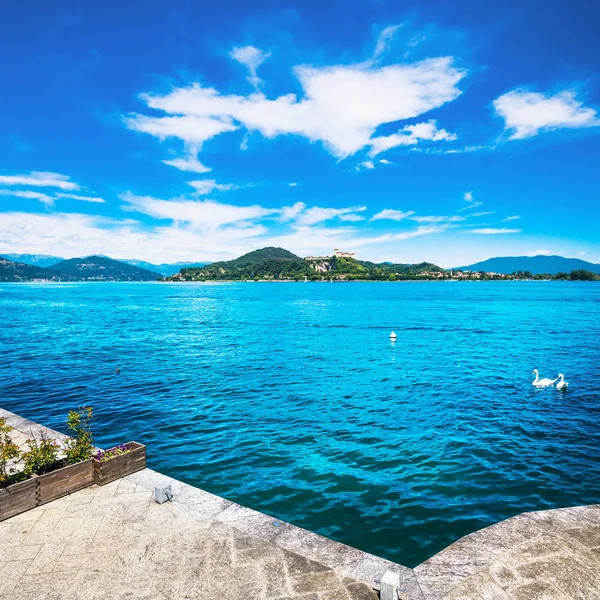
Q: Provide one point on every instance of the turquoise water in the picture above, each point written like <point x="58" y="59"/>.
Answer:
<point x="291" y="399"/>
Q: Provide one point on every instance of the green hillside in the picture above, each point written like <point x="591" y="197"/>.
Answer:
<point x="267" y="263"/>
<point x="18" y="271"/>
<point x="280" y="264"/>
<point x="100" y="268"/>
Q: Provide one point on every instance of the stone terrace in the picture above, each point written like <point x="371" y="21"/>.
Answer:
<point x="116" y="542"/>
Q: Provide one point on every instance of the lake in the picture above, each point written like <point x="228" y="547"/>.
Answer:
<point x="292" y="400"/>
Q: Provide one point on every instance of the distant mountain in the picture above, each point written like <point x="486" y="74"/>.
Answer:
<point x="536" y="265"/>
<point x="279" y="264"/>
<point x="100" y="268"/>
<point x="37" y="260"/>
<point x="164" y="269"/>
<point x="18" y="271"/>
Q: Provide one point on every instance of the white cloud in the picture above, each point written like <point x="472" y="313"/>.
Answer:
<point x="290" y="213"/>
<point x="493" y="231"/>
<point x="437" y="219"/>
<point x="418" y="232"/>
<point x="252" y="58"/>
<point x="341" y="106"/>
<point x="351" y="217"/>
<point x="385" y="161"/>
<point x="539" y="253"/>
<point x="513" y="218"/>
<point x="369" y="165"/>
<point x="468" y="196"/>
<point x="199" y="213"/>
<point x="399" y="215"/>
<point x="392" y="215"/>
<point x="384" y="39"/>
<point x="318" y="215"/>
<point x="81" y="235"/>
<point x="410" y="135"/>
<point x="40" y="179"/>
<point x="94" y="199"/>
<point x="189" y="163"/>
<point x="471" y="206"/>
<point x="44" y="198"/>
<point x="527" y="113"/>
<point x="292" y="184"/>
<point x="195" y="130"/>
<point x="483" y="214"/>
<point x="204" y="187"/>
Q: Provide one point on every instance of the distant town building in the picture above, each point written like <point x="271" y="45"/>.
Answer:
<point x="341" y="254"/>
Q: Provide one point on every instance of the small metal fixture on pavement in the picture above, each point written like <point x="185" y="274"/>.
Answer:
<point x="163" y="494"/>
<point x="389" y="586"/>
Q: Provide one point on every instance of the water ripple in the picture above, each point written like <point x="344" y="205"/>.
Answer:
<point x="293" y="401"/>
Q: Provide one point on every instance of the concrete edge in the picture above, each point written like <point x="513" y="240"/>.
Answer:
<point x="431" y="580"/>
<point x="445" y="570"/>
<point x="341" y="558"/>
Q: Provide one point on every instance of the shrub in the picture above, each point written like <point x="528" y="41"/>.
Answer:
<point x="8" y="451"/>
<point x="42" y="455"/>
<point x="81" y="443"/>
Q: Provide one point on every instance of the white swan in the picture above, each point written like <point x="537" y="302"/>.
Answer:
<point x="541" y="383"/>
<point x="562" y="384"/>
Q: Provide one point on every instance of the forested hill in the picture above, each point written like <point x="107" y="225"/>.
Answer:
<point x="101" y="268"/>
<point x="280" y="264"/>
<point x="92" y="268"/>
<point x="533" y="264"/>
<point x="18" y="271"/>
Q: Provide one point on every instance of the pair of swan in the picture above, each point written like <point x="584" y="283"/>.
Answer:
<point x="542" y="383"/>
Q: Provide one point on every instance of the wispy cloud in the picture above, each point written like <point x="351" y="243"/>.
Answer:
<point x="252" y="58"/>
<point x="199" y="213"/>
<point x="317" y="214"/>
<point x="438" y="219"/>
<point x="10" y="185"/>
<point x="513" y="218"/>
<point x="493" y="231"/>
<point x="527" y="113"/>
<point x="392" y="215"/>
<point x="384" y="39"/>
<point x="471" y="206"/>
<point x="369" y="165"/>
<point x="204" y="187"/>
<point x="189" y="163"/>
<point x="29" y="194"/>
<point x="539" y="253"/>
<point x="39" y="179"/>
<point x="94" y="199"/>
<point x="410" y="135"/>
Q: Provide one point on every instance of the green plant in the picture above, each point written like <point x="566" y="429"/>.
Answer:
<point x="8" y="451"/>
<point x="111" y="453"/>
<point x="42" y="455"/>
<point x="81" y="443"/>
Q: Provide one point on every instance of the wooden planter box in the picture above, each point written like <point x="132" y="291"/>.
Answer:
<point x="64" y="481"/>
<point x="18" y="498"/>
<point x="119" y="466"/>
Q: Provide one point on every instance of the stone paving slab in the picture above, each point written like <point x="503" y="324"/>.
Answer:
<point x="546" y="555"/>
<point x="116" y="542"/>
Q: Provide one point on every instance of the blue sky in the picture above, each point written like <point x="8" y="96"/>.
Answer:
<point x="404" y="131"/>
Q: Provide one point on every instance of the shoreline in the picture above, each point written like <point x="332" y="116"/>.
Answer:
<point x="510" y="559"/>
